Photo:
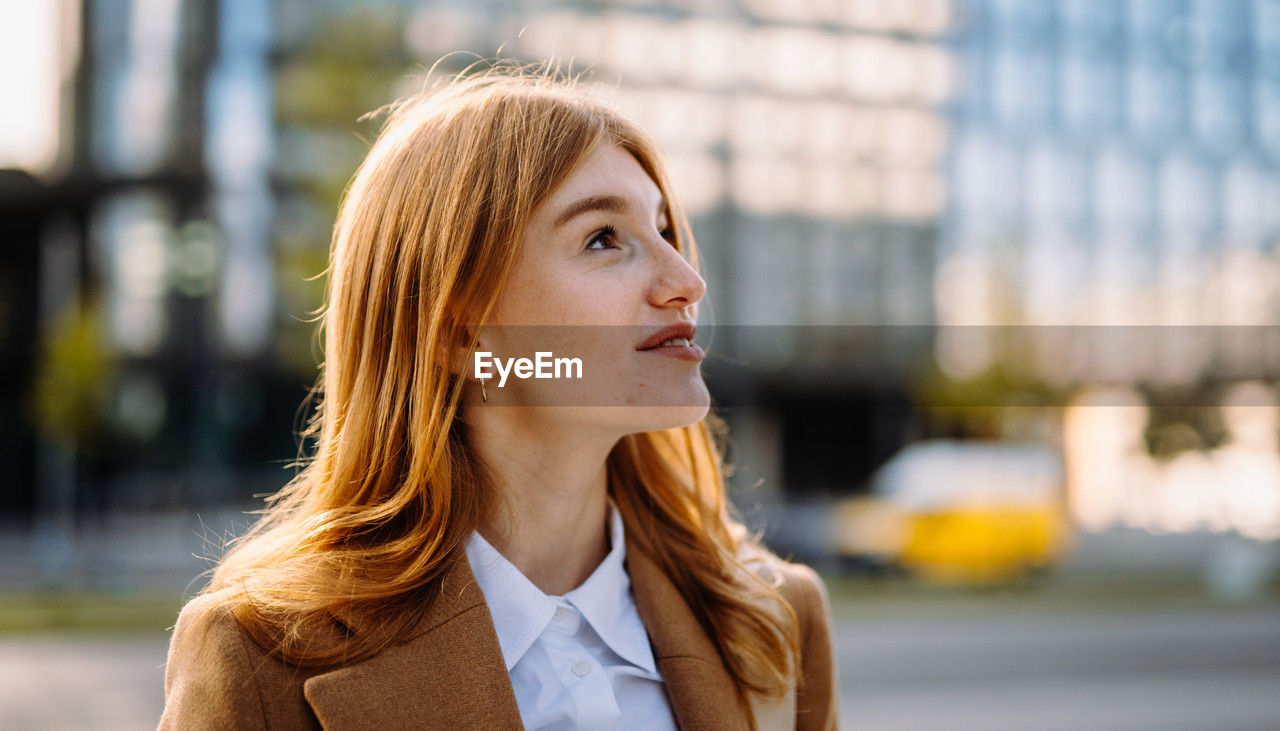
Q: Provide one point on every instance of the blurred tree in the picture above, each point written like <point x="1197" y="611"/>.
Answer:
<point x="352" y="62"/>
<point x="982" y="406"/>
<point x="1180" y="421"/>
<point x="73" y="380"/>
<point x="993" y="402"/>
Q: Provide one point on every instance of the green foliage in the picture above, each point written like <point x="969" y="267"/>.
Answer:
<point x="350" y="65"/>
<point x="73" y="382"/>
<point x="980" y="407"/>
<point x="1177" y="423"/>
<point x="151" y="611"/>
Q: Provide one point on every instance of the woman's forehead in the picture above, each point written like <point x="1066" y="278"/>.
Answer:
<point x="609" y="176"/>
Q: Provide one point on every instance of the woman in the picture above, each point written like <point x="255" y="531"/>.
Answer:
<point x="469" y="551"/>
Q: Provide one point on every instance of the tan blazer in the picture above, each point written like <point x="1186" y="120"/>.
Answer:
<point x="451" y="675"/>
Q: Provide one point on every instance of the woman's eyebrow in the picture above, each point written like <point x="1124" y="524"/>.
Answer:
<point x="608" y="203"/>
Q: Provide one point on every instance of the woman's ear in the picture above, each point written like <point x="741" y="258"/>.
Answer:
<point x="457" y="356"/>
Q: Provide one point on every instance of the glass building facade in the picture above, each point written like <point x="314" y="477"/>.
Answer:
<point x="861" y="163"/>
<point x="1117" y="163"/>
<point x="1116" y="171"/>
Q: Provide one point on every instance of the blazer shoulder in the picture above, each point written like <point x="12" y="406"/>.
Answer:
<point x="209" y="677"/>
<point x="207" y="624"/>
<point x="807" y="592"/>
<point x="817" y="699"/>
<point x="799" y="584"/>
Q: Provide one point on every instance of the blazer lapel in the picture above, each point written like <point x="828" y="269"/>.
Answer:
<point x="450" y="675"/>
<point x="702" y="693"/>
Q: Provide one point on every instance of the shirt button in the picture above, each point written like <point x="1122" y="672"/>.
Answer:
<point x="562" y="614"/>
<point x="581" y="668"/>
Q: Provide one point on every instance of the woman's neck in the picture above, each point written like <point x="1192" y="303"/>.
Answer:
<point x="551" y="518"/>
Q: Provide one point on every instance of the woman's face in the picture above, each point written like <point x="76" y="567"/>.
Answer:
<point x="596" y="276"/>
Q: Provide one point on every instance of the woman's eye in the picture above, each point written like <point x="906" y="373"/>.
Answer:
<point x="605" y="237"/>
<point x="668" y="233"/>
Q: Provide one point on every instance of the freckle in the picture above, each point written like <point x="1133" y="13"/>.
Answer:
<point x="630" y="400"/>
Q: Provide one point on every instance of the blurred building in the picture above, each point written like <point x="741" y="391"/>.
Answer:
<point x="1116" y="198"/>
<point x="143" y="304"/>
<point x="805" y="142"/>
<point x="1116" y="163"/>
<point x="857" y="173"/>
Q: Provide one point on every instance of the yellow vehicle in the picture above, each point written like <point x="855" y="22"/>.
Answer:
<point x="960" y="512"/>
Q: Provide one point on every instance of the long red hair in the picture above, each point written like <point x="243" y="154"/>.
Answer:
<point x="425" y="235"/>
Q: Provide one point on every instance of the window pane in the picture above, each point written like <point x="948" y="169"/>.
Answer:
<point x="1156" y="106"/>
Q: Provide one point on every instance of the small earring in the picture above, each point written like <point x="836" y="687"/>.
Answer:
<point x="484" y="395"/>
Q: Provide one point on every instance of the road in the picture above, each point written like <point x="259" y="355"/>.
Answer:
<point x="1203" y="668"/>
<point x="1174" y="669"/>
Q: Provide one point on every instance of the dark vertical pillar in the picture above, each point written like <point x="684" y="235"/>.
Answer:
<point x="19" y="276"/>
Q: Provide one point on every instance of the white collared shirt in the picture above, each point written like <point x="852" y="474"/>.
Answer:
<point x="577" y="661"/>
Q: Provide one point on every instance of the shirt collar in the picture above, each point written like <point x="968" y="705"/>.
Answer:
<point x="521" y="611"/>
<point x="605" y="601"/>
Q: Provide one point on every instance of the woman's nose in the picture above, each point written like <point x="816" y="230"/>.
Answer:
<point x="677" y="283"/>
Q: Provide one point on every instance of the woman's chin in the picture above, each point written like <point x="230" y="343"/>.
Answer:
<point x="670" y="411"/>
<point x="641" y="410"/>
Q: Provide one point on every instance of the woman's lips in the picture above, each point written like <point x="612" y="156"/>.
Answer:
<point x="679" y="330"/>
<point x="691" y="352"/>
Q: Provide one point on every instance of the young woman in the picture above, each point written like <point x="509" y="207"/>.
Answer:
<point x="548" y="552"/>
